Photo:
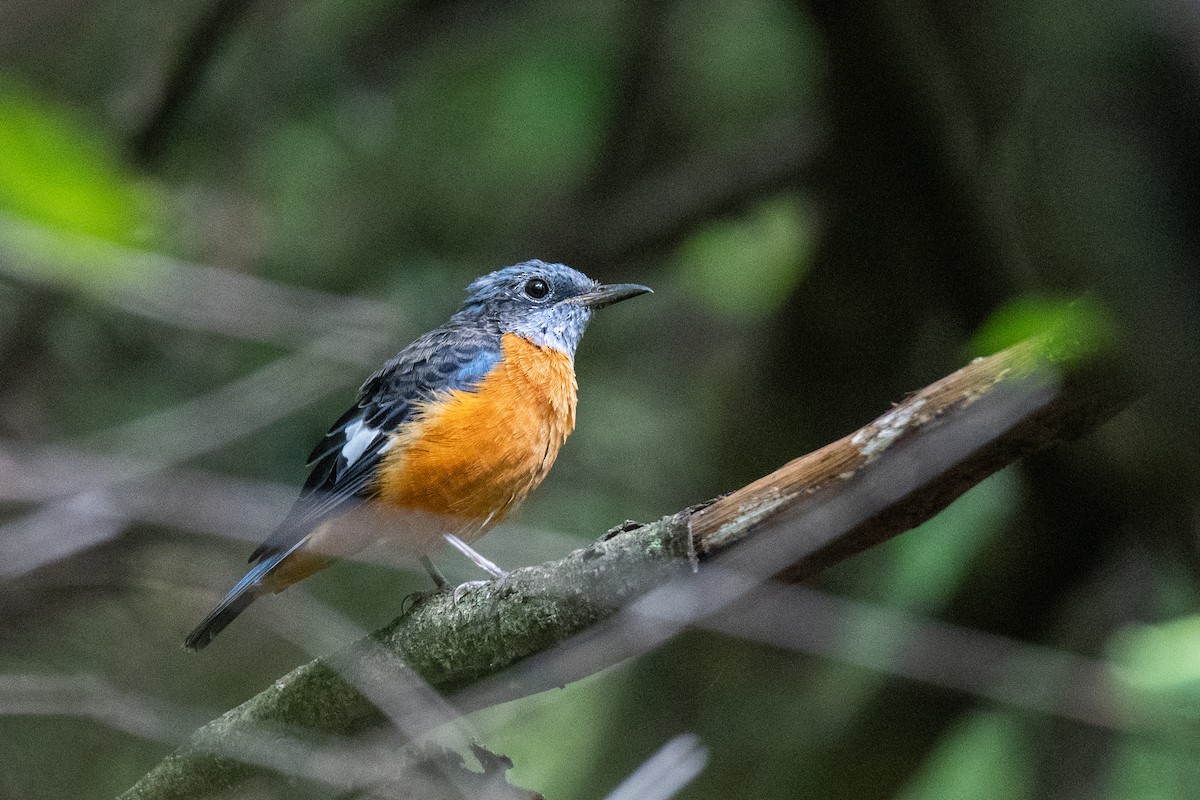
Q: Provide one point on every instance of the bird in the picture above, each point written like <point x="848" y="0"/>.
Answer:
<point x="445" y="440"/>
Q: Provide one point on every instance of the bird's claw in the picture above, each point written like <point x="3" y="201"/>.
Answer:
<point x="463" y="589"/>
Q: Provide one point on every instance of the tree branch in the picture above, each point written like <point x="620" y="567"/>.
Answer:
<point x="188" y="295"/>
<point x="703" y="185"/>
<point x="186" y="74"/>
<point x="884" y="479"/>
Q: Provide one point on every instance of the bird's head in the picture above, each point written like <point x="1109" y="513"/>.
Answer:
<point x="548" y="304"/>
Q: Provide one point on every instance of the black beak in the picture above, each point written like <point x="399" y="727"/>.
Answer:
<point x="603" y="296"/>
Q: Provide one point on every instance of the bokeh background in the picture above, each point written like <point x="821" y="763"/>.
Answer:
<point x="217" y="217"/>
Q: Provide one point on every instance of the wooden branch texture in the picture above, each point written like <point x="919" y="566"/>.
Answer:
<point x="981" y="418"/>
<point x="1077" y="395"/>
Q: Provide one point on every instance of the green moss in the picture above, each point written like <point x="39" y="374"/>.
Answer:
<point x="450" y="643"/>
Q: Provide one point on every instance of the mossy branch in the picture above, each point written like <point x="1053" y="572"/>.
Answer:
<point x="883" y="479"/>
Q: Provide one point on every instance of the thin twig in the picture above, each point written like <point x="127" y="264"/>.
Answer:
<point x="164" y="439"/>
<point x="186" y="75"/>
<point x="984" y="665"/>
<point x="194" y="500"/>
<point x="702" y="186"/>
<point x="664" y="774"/>
<point x="191" y="296"/>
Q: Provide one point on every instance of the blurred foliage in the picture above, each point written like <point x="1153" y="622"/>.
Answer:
<point x="1160" y="666"/>
<point x="835" y="203"/>
<point x="983" y="758"/>
<point x="1078" y="327"/>
<point x="747" y="267"/>
<point x="63" y="172"/>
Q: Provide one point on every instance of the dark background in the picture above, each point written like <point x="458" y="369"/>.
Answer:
<point x="217" y="217"/>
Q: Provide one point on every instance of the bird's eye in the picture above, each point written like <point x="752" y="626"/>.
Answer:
<point x="537" y="288"/>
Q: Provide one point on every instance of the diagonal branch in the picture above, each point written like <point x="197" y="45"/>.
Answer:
<point x="186" y="75"/>
<point x="634" y="588"/>
<point x="187" y="295"/>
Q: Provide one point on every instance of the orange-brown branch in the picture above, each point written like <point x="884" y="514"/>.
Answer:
<point x="1066" y="396"/>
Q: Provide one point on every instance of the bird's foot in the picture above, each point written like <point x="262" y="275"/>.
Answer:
<point x="464" y="589"/>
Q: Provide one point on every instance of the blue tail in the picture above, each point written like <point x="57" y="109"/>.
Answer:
<point x="238" y="600"/>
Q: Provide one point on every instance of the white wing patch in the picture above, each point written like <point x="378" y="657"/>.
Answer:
<point x="359" y="437"/>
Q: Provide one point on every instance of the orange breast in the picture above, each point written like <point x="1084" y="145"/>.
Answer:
<point x="469" y="458"/>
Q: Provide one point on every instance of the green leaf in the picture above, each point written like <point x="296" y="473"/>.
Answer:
<point x="984" y="758"/>
<point x="1075" y="327"/>
<point x="930" y="563"/>
<point x="1159" y="666"/>
<point x="748" y="266"/>
<point x="59" y="171"/>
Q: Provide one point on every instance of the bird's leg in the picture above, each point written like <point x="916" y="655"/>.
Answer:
<point x="439" y="580"/>
<point x="477" y="559"/>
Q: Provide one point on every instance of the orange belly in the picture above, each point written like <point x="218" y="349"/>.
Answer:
<point x="469" y="458"/>
<point x="460" y="466"/>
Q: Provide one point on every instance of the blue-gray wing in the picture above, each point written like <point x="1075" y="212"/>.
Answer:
<point x="345" y="462"/>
